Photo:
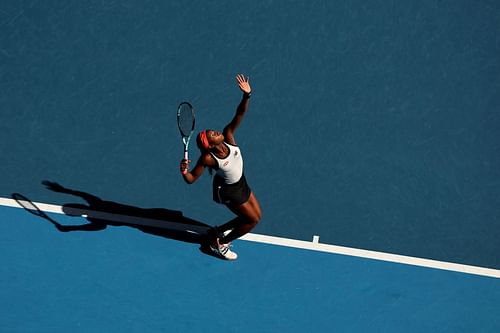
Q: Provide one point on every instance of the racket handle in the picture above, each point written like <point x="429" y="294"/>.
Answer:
<point x="186" y="155"/>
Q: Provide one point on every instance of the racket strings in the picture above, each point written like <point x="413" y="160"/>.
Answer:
<point x="186" y="120"/>
<point x="185" y="123"/>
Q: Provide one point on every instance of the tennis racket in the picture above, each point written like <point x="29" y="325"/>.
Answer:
<point x="185" y="121"/>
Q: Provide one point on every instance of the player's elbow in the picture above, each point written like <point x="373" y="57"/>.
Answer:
<point x="190" y="178"/>
<point x="188" y="181"/>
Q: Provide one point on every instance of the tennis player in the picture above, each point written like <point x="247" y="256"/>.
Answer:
<point x="220" y="152"/>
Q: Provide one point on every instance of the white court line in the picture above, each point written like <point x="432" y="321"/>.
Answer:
<point x="294" y="243"/>
<point x="395" y="258"/>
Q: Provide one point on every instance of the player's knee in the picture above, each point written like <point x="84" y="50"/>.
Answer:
<point x="251" y="219"/>
<point x="256" y="218"/>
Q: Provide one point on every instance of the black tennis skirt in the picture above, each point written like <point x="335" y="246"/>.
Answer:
<point x="230" y="194"/>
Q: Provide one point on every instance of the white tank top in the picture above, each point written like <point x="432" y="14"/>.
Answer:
<point x="231" y="167"/>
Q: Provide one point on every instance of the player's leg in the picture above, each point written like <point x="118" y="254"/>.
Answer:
<point x="248" y="216"/>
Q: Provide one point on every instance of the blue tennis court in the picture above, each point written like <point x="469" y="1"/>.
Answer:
<point x="373" y="128"/>
<point x="123" y="280"/>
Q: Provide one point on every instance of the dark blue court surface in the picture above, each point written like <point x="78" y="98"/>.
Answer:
<point x="374" y="125"/>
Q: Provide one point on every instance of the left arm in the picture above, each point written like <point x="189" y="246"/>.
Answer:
<point x="242" y="108"/>
<point x="190" y="176"/>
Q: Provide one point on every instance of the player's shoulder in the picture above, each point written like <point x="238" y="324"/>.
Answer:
<point x="229" y="138"/>
<point x="208" y="160"/>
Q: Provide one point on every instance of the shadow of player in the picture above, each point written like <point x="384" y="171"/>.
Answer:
<point x="100" y="214"/>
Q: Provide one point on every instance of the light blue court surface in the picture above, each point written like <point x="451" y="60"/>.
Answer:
<point x="123" y="280"/>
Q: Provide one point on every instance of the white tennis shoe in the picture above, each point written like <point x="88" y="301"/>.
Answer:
<point x="223" y="251"/>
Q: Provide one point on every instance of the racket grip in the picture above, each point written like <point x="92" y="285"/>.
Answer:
<point x="186" y="155"/>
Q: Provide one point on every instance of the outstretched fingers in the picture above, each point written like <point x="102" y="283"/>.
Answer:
<point x="243" y="83"/>
<point x="241" y="78"/>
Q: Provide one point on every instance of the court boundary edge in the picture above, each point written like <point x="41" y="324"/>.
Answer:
<point x="315" y="245"/>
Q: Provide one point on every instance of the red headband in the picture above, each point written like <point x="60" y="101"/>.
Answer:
<point x="204" y="140"/>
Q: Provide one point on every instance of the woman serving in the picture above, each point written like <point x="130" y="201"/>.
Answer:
<point x="220" y="152"/>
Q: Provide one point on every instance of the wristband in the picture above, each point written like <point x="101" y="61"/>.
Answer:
<point x="247" y="95"/>
<point x="183" y="172"/>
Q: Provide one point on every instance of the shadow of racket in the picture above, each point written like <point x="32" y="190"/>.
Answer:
<point x="31" y="208"/>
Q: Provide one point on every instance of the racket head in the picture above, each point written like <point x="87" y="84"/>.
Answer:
<point x="185" y="122"/>
<point x="185" y="119"/>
